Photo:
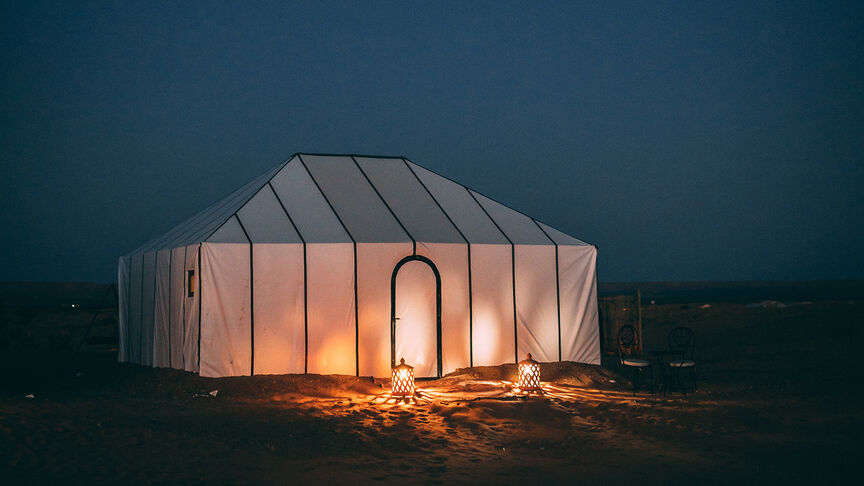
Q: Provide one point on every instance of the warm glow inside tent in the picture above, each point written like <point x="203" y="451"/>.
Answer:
<point x="340" y="264"/>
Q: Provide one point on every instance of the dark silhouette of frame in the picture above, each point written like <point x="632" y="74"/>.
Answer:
<point x="427" y="261"/>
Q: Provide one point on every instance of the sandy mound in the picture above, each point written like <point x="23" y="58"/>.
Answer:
<point x="565" y="372"/>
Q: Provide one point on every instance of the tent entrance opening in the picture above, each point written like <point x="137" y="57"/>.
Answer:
<point x="415" y="329"/>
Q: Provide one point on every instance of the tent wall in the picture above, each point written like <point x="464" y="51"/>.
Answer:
<point x="577" y="270"/>
<point x="536" y="302"/>
<point x="191" y="309"/>
<point x="135" y="311"/>
<point x="177" y="293"/>
<point x="162" y="335"/>
<point x="535" y="281"/>
<point x="123" y="270"/>
<point x="280" y="326"/>
<point x="278" y="288"/>
<point x="332" y="324"/>
<point x="451" y="260"/>
<point x="148" y="307"/>
<point x="226" y="310"/>
<point x="492" y="301"/>
<point x="580" y="329"/>
<point x="375" y="263"/>
<point x="330" y="266"/>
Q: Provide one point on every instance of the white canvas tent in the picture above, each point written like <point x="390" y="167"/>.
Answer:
<point x="340" y="264"/>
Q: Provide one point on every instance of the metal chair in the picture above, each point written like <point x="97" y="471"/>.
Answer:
<point x="630" y="356"/>
<point x="682" y="345"/>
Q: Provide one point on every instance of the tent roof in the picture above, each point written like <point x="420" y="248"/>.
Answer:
<point x="318" y="198"/>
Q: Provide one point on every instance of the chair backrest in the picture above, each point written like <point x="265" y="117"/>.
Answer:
<point x="682" y="341"/>
<point x="628" y="342"/>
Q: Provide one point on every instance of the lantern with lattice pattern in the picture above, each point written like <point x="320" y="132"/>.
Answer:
<point x="529" y="375"/>
<point x="402" y="383"/>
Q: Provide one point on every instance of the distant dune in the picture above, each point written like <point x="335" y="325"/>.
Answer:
<point x="743" y="292"/>
<point x="52" y="294"/>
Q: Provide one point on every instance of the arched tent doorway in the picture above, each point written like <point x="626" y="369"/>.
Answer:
<point x="415" y="325"/>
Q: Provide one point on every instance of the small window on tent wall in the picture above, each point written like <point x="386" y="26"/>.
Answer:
<point x="190" y="286"/>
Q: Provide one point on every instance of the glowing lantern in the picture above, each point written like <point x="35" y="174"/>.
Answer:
<point x="529" y="375"/>
<point x="403" y="380"/>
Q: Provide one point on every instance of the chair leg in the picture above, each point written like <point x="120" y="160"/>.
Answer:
<point x="663" y="382"/>
<point x="651" y="375"/>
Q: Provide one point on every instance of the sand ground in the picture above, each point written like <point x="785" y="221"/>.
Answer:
<point x="779" y="402"/>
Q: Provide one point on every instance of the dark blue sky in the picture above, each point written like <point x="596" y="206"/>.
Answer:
<point x="688" y="141"/>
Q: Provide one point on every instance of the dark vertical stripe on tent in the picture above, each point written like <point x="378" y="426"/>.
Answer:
<point x="512" y="273"/>
<point x="557" y="286"/>
<point x="183" y="320"/>
<point x="413" y="241"/>
<point x="153" y="325"/>
<point x="170" y="260"/>
<point x="470" y="290"/>
<point x="305" y="284"/>
<point x="251" y="297"/>
<point x="141" y="319"/>
<point x="200" y="298"/>
<point x="354" y="242"/>
<point x="129" y="313"/>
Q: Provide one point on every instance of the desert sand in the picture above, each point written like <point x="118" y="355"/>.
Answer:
<point x="778" y="402"/>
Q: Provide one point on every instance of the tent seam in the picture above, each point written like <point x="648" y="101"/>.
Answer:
<point x="499" y="202"/>
<point x="251" y="294"/>
<point x="305" y="282"/>
<point x="468" y="243"/>
<point x="243" y="204"/>
<point x="354" y="242"/>
<point x="513" y="273"/>
<point x="170" y="260"/>
<point x="407" y="233"/>
<point x="557" y="286"/>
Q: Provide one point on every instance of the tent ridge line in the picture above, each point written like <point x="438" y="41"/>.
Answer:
<point x="407" y="233"/>
<point x="305" y="282"/>
<point x="468" y="243"/>
<point x="497" y="201"/>
<point x="196" y="230"/>
<point x="274" y="172"/>
<point x="319" y="154"/>
<point x="557" y="285"/>
<point x="192" y="224"/>
<point x="354" y="243"/>
<point x="243" y="204"/>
